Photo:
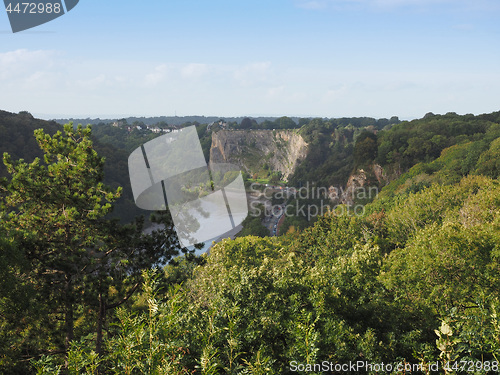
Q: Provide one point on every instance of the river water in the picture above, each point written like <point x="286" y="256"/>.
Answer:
<point x="207" y="244"/>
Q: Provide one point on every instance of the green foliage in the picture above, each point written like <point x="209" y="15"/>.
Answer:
<point x="68" y="262"/>
<point x="253" y="226"/>
<point x="17" y="299"/>
<point x="415" y="280"/>
<point x="82" y="359"/>
<point x="246" y="123"/>
<point x="16" y="136"/>
<point x="332" y="154"/>
<point x="149" y="342"/>
<point x="275" y="178"/>
<point x="349" y="288"/>
<point x="296" y="300"/>
<point x="46" y="366"/>
<point x="55" y="216"/>
<point x="409" y="143"/>
<point x="294" y="223"/>
<point x="365" y="149"/>
<point x="489" y="161"/>
<point x="446" y="258"/>
<point x="454" y="163"/>
<point x="329" y="160"/>
<point x="416" y="211"/>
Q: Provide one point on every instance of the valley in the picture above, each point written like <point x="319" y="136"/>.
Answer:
<point x="379" y="243"/>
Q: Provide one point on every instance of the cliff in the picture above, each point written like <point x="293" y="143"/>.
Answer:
<point x="255" y="150"/>
<point x="362" y="185"/>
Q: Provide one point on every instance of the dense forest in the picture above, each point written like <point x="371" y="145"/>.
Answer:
<point x="411" y="285"/>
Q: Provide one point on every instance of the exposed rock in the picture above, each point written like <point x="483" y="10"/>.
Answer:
<point x="356" y="181"/>
<point x="281" y="150"/>
<point x="380" y="174"/>
<point x="360" y="185"/>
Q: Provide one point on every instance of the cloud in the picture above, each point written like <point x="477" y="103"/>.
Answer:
<point x="275" y="92"/>
<point x="335" y="93"/>
<point x="314" y="5"/>
<point x="52" y="82"/>
<point x="22" y="63"/>
<point x="253" y="74"/>
<point x="194" y="71"/>
<point x="92" y="83"/>
<point x="156" y="76"/>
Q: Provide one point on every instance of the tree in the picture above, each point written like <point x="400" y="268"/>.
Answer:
<point x="56" y="215"/>
<point x="489" y="162"/>
<point x="365" y="150"/>
<point x="285" y="123"/>
<point x="275" y="177"/>
<point x="448" y="239"/>
<point x="246" y="123"/>
<point x="17" y="299"/>
<point x="76" y="256"/>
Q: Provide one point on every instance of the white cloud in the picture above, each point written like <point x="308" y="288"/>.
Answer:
<point x="275" y="92"/>
<point x="335" y="93"/>
<point x="314" y="5"/>
<point x="21" y="63"/>
<point x="156" y="76"/>
<point x="50" y="82"/>
<point x="92" y="83"/>
<point x="194" y="71"/>
<point x="253" y="74"/>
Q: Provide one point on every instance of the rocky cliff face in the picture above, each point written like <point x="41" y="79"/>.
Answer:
<point x="253" y="150"/>
<point x="361" y="185"/>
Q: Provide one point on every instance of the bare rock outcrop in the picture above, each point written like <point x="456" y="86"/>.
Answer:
<point x="251" y="150"/>
<point x="360" y="185"/>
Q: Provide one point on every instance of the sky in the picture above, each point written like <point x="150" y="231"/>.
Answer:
<point x="306" y="58"/>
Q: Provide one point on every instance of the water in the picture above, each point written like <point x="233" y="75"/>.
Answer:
<point x="207" y="244"/>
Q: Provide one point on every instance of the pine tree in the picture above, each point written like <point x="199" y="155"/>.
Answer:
<point x="57" y="213"/>
<point x="80" y="263"/>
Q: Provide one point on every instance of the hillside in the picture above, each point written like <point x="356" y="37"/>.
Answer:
<point x="16" y="135"/>
<point x="411" y="279"/>
<point x="439" y="149"/>
<point x="18" y="140"/>
<point x="341" y="154"/>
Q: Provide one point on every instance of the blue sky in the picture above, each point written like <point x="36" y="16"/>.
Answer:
<point x="328" y="58"/>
